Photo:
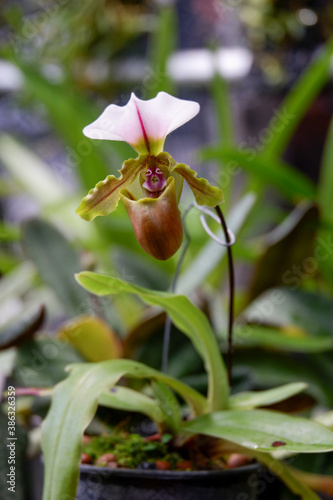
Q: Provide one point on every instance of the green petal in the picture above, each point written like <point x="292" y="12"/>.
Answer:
<point x="104" y="197"/>
<point x="204" y="193"/>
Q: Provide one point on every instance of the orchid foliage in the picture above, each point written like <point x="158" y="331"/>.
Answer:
<point x="238" y="422"/>
<point x="149" y="186"/>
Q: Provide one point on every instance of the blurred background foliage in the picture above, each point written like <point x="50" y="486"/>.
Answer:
<point x="261" y="71"/>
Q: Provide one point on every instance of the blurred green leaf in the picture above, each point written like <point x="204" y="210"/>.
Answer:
<point x="9" y="233"/>
<point x="286" y="248"/>
<point x="295" y="485"/>
<point x="162" y="42"/>
<point x="325" y="419"/>
<point x="288" y="338"/>
<point x="260" y="429"/>
<point x="18" y="281"/>
<point x="325" y="186"/>
<point x="185" y="315"/>
<point x="92" y="338"/>
<point x="321" y="483"/>
<point x="298" y="100"/>
<point x="42" y="362"/>
<point x="56" y="262"/>
<point x="285" y="307"/>
<point x="266" y="369"/>
<point x="22" y="327"/>
<point x="8" y="262"/>
<point x="271" y="171"/>
<point x="222" y="108"/>
<point x="31" y="173"/>
<point x="265" y="398"/>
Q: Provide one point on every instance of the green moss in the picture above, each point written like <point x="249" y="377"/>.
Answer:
<point x="130" y="450"/>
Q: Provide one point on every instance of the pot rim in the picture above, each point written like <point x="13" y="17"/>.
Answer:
<point x="168" y="474"/>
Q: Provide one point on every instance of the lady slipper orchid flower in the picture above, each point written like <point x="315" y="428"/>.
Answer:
<point x="150" y="185"/>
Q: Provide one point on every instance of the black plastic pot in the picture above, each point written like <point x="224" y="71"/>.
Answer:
<point x="99" y="483"/>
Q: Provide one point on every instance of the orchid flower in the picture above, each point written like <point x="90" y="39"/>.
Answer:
<point x="150" y="185"/>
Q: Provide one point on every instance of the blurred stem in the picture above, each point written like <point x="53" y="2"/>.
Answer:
<point x="231" y="289"/>
<point x="167" y="327"/>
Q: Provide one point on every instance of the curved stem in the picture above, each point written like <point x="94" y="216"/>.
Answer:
<point x="231" y="289"/>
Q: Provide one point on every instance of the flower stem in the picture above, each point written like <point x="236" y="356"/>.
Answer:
<point x="167" y="327"/>
<point x="231" y="289"/>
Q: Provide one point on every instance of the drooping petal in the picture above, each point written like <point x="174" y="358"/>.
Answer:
<point x="204" y="193"/>
<point x="156" y="221"/>
<point x="104" y="197"/>
<point x="143" y="124"/>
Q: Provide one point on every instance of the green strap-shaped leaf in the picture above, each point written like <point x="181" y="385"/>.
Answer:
<point x="74" y="404"/>
<point x="164" y="410"/>
<point x="169" y="405"/>
<point x="204" y="193"/>
<point x="264" y="430"/>
<point x="264" y="398"/>
<point x="186" y="316"/>
<point x="104" y="197"/>
<point x="123" y="398"/>
<point x="291" y="480"/>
